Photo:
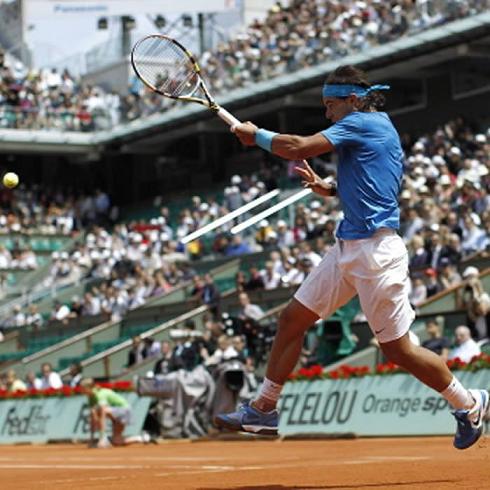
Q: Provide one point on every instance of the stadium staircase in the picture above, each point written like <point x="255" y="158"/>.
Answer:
<point x="112" y="361"/>
<point x="24" y="286"/>
<point x="145" y="366"/>
<point x="48" y="345"/>
<point x="55" y="332"/>
<point x="223" y="275"/>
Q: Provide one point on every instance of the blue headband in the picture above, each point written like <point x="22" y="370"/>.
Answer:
<point x="332" y="90"/>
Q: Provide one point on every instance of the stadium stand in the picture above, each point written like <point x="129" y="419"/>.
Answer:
<point x="292" y="37"/>
<point x="451" y="164"/>
<point x="134" y="279"/>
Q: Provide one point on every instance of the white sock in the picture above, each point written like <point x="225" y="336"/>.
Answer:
<point x="270" y="390"/>
<point x="458" y="396"/>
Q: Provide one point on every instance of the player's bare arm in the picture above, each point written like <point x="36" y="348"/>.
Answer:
<point x="288" y="146"/>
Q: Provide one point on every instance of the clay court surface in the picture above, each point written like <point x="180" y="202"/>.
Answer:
<point x="413" y="463"/>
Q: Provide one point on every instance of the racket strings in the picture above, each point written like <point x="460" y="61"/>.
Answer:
<point x="164" y="66"/>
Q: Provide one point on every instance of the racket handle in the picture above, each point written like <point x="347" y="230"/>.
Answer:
<point x="227" y="117"/>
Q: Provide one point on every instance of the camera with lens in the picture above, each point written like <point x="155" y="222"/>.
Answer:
<point x="179" y="333"/>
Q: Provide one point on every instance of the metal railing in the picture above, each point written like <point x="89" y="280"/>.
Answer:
<point x="60" y="119"/>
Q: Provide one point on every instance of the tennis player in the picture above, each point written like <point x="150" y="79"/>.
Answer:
<point x="107" y="404"/>
<point x="369" y="258"/>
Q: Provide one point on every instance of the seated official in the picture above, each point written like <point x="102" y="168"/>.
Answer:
<point x="466" y="348"/>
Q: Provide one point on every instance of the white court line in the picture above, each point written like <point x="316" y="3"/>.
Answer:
<point x="396" y="458"/>
<point x="72" y="467"/>
<point x="186" y="473"/>
<point x="194" y="467"/>
<point x="98" y="478"/>
<point x="222" y="469"/>
<point x="130" y="458"/>
<point x="162" y="458"/>
<point x="212" y="468"/>
<point x="73" y="480"/>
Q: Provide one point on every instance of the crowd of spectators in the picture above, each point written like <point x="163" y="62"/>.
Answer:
<point x="33" y="212"/>
<point x="37" y="210"/>
<point x="463" y="346"/>
<point x="48" y="379"/>
<point x="305" y="33"/>
<point x="128" y="262"/>
<point x="21" y="257"/>
<point x="223" y="339"/>
<point x="292" y="36"/>
<point x="445" y="219"/>
<point x="445" y="207"/>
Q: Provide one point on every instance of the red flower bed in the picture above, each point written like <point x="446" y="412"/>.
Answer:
<point x="64" y="391"/>
<point x="346" y="372"/>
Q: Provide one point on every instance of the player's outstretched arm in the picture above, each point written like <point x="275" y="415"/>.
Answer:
<point x="293" y="147"/>
<point x="288" y="146"/>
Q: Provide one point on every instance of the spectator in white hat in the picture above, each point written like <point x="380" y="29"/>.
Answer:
<point x="233" y="198"/>
<point x="236" y="180"/>
<point x="473" y="298"/>
<point x="262" y="235"/>
<point x="285" y="237"/>
<point x="292" y="276"/>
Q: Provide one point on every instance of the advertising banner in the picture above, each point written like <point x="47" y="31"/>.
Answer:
<point x="394" y="405"/>
<point x="52" y="9"/>
<point x="58" y="418"/>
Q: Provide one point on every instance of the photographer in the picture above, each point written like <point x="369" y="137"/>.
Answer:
<point x="210" y="295"/>
<point x="247" y="322"/>
<point x="473" y="298"/>
<point x="225" y="351"/>
<point x="186" y="354"/>
<point x="165" y="364"/>
<point x="137" y="352"/>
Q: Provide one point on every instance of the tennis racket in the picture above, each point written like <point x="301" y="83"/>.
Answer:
<point x="169" y="69"/>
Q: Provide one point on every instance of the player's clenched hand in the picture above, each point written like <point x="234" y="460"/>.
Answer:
<point x="245" y="132"/>
<point x="312" y="181"/>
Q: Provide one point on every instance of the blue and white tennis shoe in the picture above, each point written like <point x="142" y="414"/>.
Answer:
<point x="248" y="419"/>
<point x="470" y="422"/>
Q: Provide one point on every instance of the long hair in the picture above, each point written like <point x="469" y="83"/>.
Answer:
<point x="350" y="75"/>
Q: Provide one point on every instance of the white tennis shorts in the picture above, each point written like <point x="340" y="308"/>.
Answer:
<point x="122" y="414"/>
<point x="376" y="269"/>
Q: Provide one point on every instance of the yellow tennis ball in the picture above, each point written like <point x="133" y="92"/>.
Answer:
<point x="10" y="180"/>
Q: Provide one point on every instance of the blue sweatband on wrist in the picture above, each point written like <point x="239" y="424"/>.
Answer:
<point x="263" y="138"/>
